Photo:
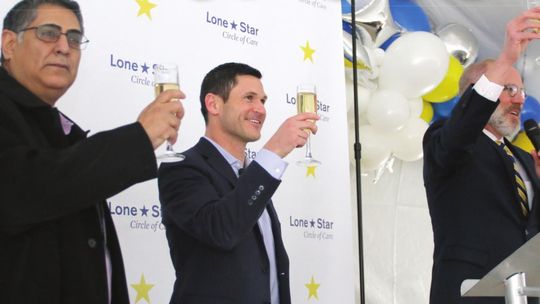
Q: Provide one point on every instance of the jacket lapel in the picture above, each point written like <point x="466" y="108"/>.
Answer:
<point x="220" y="165"/>
<point x="216" y="160"/>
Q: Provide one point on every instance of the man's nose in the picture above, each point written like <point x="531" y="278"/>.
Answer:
<point x="519" y="98"/>
<point x="259" y="107"/>
<point x="62" y="45"/>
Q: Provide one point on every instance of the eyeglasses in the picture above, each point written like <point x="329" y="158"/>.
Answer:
<point x="52" y="32"/>
<point x="513" y="90"/>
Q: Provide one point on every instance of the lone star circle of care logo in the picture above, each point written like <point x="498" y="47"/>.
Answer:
<point x="145" y="217"/>
<point x="234" y="29"/>
<point x="313" y="228"/>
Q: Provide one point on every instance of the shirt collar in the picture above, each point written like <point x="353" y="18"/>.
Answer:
<point x="233" y="161"/>
<point x="66" y="123"/>
<point x="492" y="136"/>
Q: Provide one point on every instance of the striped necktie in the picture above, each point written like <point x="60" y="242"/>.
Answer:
<point x="521" y="190"/>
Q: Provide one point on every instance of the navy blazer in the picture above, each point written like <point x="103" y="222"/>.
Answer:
<point x="472" y="198"/>
<point x="211" y="217"/>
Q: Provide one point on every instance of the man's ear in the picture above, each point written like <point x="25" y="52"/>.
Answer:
<point x="213" y="103"/>
<point x="9" y="41"/>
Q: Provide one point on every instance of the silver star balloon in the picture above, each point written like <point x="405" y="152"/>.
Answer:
<point x="365" y="65"/>
<point x="375" y="18"/>
<point x="460" y="43"/>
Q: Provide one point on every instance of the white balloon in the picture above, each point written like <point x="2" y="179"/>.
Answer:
<point x="364" y="96"/>
<point x="375" y="150"/>
<point x="416" y="106"/>
<point x="377" y="55"/>
<point x="387" y="110"/>
<point x="414" y="64"/>
<point x="407" y="143"/>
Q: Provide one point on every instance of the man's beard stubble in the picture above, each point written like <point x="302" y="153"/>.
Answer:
<point x="504" y="125"/>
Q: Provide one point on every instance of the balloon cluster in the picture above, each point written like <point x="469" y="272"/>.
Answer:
<point x="408" y="75"/>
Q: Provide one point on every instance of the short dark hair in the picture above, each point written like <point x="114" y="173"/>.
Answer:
<point x="24" y="12"/>
<point x="222" y="79"/>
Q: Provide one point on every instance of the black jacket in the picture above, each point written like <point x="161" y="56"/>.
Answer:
<point x="51" y="185"/>
<point x="472" y="198"/>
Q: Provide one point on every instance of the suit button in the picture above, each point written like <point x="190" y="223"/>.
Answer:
<point x="92" y="243"/>
<point x="254" y="197"/>
<point x="250" y="202"/>
<point x="257" y="192"/>
<point x="261" y="187"/>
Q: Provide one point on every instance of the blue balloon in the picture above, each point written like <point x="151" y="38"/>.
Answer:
<point x="347" y="27"/>
<point x="345" y="7"/>
<point x="531" y="110"/>
<point x="444" y="109"/>
<point x="409" y="16"/>
<point x="435" y="118"/>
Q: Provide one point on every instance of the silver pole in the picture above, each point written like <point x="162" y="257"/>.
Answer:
<point x="514" y="287"/>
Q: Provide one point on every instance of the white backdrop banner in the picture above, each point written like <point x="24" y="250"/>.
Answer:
<point x="290" y="42"/>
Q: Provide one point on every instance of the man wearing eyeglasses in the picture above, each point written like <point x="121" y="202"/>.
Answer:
<point x="482" y="191"/>
<point x="57" y="239"/>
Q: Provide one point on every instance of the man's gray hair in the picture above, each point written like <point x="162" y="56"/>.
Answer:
<point x="24" y="12"/>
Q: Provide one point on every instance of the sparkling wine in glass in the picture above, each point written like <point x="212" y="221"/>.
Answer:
<point x="306" y="101"/>
<point x="166" y="78"/>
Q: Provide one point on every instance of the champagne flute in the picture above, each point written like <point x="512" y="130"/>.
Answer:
<point x="531" y="4"/>
<point x="166" y="78"/>
<point x="306" y="101"/>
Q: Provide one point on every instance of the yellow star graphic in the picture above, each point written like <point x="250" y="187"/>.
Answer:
<point x="144" y="8"/>
<point x="312" y="287"/>
<point x="142" y="290"/>
<point x="311" y="171"/>
<point x="308" y="51"/>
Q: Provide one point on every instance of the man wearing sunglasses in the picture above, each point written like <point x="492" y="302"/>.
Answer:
<point x="57" y="239"/>
<point x="482" y="191"/>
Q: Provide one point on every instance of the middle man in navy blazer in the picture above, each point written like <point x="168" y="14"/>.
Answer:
<point x="222" y="228"/>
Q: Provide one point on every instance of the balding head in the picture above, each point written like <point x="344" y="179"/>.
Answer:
<point x="473" y="73"/>
<point x="505" y="121"/>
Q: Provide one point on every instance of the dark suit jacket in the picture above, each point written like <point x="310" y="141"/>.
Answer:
<point x="211" y="223"/>
<point x="51" y="243"/>
<point x="472" y="198"/>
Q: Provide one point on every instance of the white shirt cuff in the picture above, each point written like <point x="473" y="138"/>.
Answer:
<point x="272" y="163"/>
<point x="488" y="89"/>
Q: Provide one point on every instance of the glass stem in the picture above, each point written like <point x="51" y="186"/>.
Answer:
<point x="169" y="147"/>
<point x="308" y="147"/>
